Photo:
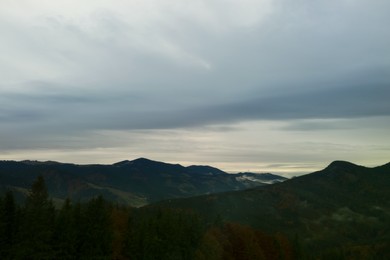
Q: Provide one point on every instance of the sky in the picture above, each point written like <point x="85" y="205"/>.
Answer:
<point x="282" y="86"/>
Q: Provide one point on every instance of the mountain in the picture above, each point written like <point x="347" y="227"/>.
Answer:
<point x="341" y="210"/>
<point x="136" y="183"/>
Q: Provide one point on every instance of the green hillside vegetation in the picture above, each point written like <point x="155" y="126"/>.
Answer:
<point x="342" y="211"/>
<point x="99" y="229"/>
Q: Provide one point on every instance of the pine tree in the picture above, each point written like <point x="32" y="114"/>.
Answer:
<point x="97" y="242"/>
<point x="38" y="224"/>
<point x="64" y="237"/>
<point x="8" y="225"/>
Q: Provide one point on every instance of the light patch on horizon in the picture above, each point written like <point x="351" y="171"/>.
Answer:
<point x="250" y="146"/>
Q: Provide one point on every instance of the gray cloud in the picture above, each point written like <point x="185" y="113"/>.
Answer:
<point x="113" y="111"/>
<point x="68" y="74"/>
<point x="67" y="122"/>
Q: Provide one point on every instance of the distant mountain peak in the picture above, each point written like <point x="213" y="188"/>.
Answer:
<point x="339" y="165"/>
<point x="147" y="163"/>
<point x="140" y="160"/>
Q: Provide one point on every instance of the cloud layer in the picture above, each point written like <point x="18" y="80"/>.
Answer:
<point x="71" y="71"/>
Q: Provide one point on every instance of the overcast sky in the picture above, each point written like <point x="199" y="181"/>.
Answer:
<point x="283" y="86"/>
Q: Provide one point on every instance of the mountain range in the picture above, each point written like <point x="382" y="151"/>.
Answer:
<point x="340" y="212"/>
<point x="135" y="183"/>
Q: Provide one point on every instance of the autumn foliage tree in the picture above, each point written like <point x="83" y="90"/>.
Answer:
<point x="235" y="241"/>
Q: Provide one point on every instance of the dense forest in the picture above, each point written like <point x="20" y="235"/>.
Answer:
<point x="340" y="212"/>
<point x="102" y="230"/>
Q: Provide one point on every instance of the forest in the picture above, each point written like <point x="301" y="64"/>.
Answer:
<point x="99" y="229"/>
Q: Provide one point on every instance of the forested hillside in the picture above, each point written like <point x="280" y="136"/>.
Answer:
<point x="102" y="230"/>
<point x="134" y="183"/>
<point x="342" y="211"/>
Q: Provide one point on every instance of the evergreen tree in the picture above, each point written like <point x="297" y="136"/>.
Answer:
<point x="37" y="224"/>
<point x="97" y="235"/>
<point x="162" y="234"/>
<point x="64" y="237"/>
<point x="119" y="218"/>
<point x="78" y="226"/>
<point x="8" y="225"/>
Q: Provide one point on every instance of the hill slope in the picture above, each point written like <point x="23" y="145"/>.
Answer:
<point x="343" y="208"/>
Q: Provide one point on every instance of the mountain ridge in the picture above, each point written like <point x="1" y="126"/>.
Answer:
<point x="142" y="179"/>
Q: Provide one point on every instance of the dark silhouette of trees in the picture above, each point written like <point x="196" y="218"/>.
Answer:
<point x="38" y="216"/>
<point x="97" y="230"/>
<point x="163" y="234"/>
<point x="65" y="232"/>
<point x="235" y="241"/>
<point x="100" y="230"/>
<point x="8" y="224"/>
